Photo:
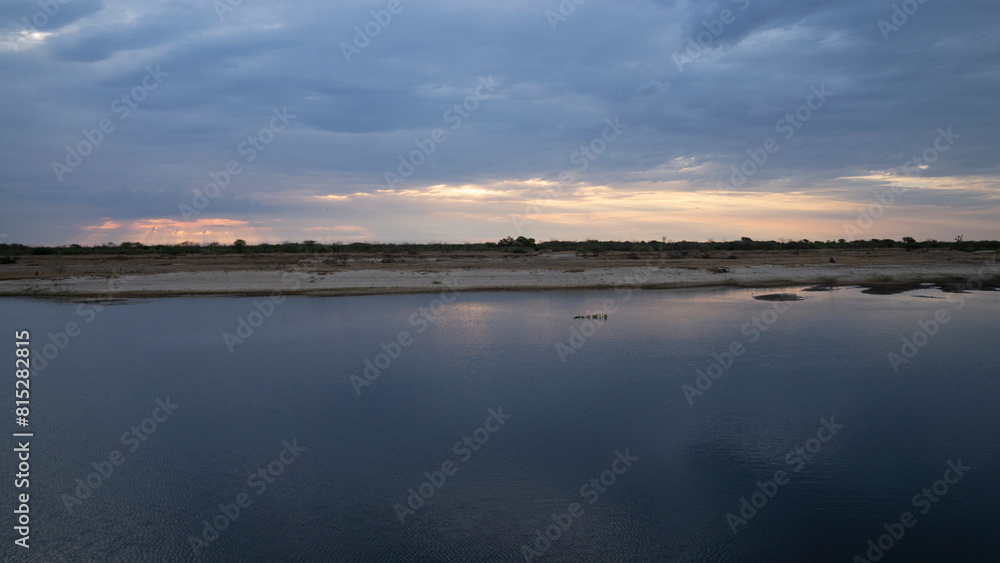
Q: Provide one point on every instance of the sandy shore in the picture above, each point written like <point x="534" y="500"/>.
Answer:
<point x="146" y="276"/>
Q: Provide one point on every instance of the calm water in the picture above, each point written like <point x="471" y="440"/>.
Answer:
<point x="620" y="390"/>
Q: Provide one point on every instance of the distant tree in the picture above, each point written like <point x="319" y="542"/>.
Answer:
<point x="507" y="242"/>
<point x="591" y="246"/>
<point x="240" y="245"/>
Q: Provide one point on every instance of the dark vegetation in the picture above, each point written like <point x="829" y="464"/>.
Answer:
<point x="680" y="249"/>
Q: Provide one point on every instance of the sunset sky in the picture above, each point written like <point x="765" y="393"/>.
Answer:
<point x="463" y="121"/>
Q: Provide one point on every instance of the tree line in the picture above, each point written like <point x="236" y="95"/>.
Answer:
<point x="521" y="244"/>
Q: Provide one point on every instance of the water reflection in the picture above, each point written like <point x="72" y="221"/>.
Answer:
<point x="621" y="387"/>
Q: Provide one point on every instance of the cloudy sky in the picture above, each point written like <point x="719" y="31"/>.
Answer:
<point x="460" y="121"/>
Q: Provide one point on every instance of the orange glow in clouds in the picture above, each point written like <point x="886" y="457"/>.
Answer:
<point x="165" y="231"/>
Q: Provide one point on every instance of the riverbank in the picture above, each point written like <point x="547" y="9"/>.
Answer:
<point x="293" y="274"/>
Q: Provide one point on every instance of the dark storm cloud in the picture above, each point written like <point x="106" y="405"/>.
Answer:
<point x="45" y="15"/>
<point x="98" y="42"/>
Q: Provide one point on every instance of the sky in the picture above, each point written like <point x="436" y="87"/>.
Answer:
<point x="464" y="121"/>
